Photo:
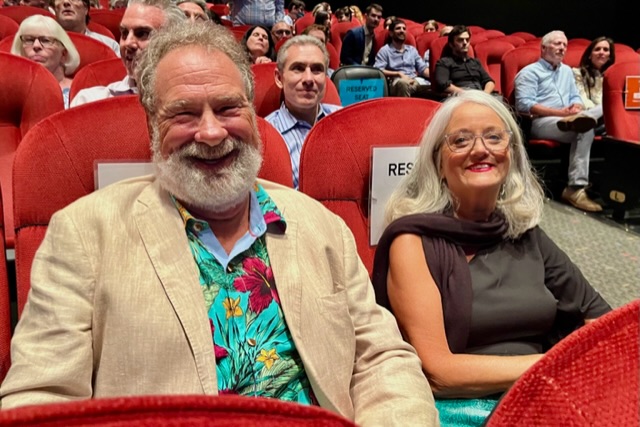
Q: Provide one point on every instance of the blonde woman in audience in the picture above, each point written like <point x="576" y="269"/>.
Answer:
<point x="476" y="286"/>
<point x="43" y="40"/>
<point x="356" y="13"/>
<point x="431" y="26"/>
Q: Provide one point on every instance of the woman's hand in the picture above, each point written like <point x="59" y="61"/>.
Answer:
<point x="262" y="60"/>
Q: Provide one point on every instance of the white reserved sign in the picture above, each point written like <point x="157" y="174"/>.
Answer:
<point x="389" y="165"/>
<point x="108" y="173"/>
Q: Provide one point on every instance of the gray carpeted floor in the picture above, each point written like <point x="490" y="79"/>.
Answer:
<point x="607" y="254"/>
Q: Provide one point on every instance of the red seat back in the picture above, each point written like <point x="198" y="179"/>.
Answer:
<point x="478" y="38"/>
<point x="336" y="156"/>
<point x="573" y="55"/>
<point x="492" y="34"/>
<point x="20" y="13"/>
<point x="99" y="73"/>
<point x="334" y="56"/>
<point x="100" y="29"/>
<point x="524" y="35"/>
<point x="175" y="411"/>
<point x="5" y="306"/>
<point x="424" y="40"/>
<point x="90" y="50"/>
<point x="490" y="53"/>
<point x="589" y="378"/>
<point x="8" y="26"/>
<point x="339" y="30"/>
<point x="29" y="93"/>
<point x="304" y="22"/>
<point x="475" y="29"/>
<point x="220" y="9"/>
<point x="54" y="165"/>
<point x="514" y="40"/>
<point x="110" y="19"/>
<point x="621" y="123"/>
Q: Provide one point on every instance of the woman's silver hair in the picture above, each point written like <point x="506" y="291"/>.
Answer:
<point x="424" y="191"/>
<point x="182" y="34"/>
<point x="38" y="23"/>
<point x="550" y="36"/>
<point x="172" y="13"/>
<point x="300" y="41"/>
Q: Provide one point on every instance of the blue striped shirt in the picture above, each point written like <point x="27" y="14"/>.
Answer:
<point x="294" y="132"/>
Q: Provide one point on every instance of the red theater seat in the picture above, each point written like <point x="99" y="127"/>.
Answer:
<point x="29" y="94"/>
<point x="91" y="50"/>
<point x="424" y="40"/>
<point x="490" y="53"/>
<point x="54" y="165"/>
<point x="336" y="156"/>
<point x="20" y="13"/>
<point x="110" y="19"/>
<point x="100" y="29"/>
<point x="174" y="411"/>
<point x="514" y="40"/>
<point x="8" y="26"/>
<point x="524" y="35"/>
<point x="100" y="73"/>
<point x="590" y="378"/>
<point x="303" y="22"/>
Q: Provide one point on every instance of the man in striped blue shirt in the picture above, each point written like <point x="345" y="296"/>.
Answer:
<point x="301" y="74"/>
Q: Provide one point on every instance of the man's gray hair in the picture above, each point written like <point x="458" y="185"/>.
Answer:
<point x="301" y="41"/>
<point x="200" y="3"/>
<point x="182" y="34"/>
<point x="550" y="36"/>
<point x="172" y="12"/>
<point x="424" y="190"/>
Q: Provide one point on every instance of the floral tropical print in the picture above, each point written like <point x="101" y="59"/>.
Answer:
<point x="255" y="354"/>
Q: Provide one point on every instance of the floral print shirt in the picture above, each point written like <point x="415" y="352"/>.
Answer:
<point x="255" y="353"/>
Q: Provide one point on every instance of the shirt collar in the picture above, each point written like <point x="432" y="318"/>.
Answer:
<point x="289" y="121"/>
<point x="262" y="212"/>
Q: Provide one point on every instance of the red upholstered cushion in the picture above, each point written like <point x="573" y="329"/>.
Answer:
<point x="99" y="73"/>
<point x="108" y="18"/>
<point x="7" y="26"/>
<point x="29" y="94"/>
<point x="621" y="123"/>
<point x="590" y="378"/>
<point x="176" y="411"/>
<point x="20" y="13"/>
<point x="90" y="50"/>
<point x="490" y="53"/>
<point x="335" y="160"/>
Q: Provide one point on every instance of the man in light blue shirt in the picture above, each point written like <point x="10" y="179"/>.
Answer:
<point x="257" y="12"/>
<point x="401" y="63"/>
<point x="302" y="76"/>
<point x="547" y="91"/>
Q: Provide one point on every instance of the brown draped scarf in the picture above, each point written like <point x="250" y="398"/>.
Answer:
<point x="443" y="240"/>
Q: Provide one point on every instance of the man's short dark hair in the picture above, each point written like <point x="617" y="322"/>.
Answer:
<point x="372" y="6"/>
<point x="457" y="30"/>
<point x="297" y="4"/>
<point x="395" y="23"/>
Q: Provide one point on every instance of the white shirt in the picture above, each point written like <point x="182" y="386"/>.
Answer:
<point x="125" y="86"/>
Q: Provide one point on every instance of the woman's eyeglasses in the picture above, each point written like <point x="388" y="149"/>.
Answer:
<point x="495" y="140"/>
<point x="46" y="42"/>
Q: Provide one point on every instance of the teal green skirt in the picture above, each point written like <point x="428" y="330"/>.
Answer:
<point x="465" y="412"/>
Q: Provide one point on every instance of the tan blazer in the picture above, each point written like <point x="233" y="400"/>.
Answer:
<point x="116" y="309"/>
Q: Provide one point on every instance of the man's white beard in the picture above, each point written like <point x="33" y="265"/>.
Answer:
<point x="212" y="192"/>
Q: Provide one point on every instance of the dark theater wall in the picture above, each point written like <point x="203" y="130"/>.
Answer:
<point x="577" y="18"/>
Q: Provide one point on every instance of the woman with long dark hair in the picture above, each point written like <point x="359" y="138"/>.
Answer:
<point x="597" y="57"/>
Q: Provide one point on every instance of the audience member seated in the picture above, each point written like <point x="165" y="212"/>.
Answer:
<point x="477" y="288"/>
<point x="117" y="4"/>
<point x="358" y="45"/>
<point x="401" y="63"/>
<point x="302" y="76"/>
<point x="281" y="30"/>
<point x="43" y="40"/>
<point x="431" y="26"/>
<point x="73" y="15"/>
<point x="323" y="18"/>
<point x="356" y="14"/>
<point x="321" y="7"/>
<point x="252" y="12"/>
<point x="140" y="20"/>
<point x="546" y="90"/>
<point x="388" y="20"/>
<point x="597" y="57"/>
<point x="321" y="33"/>
<point x="196" y="280"/>
<point x="194" y="10"/>
<point x="456" y="70"/>
<point x="296" y="11"/>
<point x="344" y="14"/>
<point x="259" y="45"/>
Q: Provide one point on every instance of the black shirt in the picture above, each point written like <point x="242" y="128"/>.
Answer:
<point x="462" y="72"/>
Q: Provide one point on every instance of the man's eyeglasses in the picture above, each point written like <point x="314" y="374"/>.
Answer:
<point x="494" y="141"/>
<point x="283" y="32"/>
<point x="46" y="42"/>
